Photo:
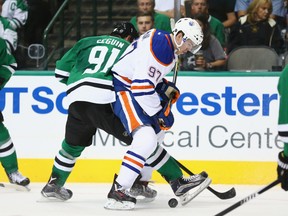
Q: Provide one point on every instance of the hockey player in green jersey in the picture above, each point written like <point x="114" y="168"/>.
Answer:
<point x="85" y="69"/>
<point x="8" y="157"/>
<point x="282" y="168"/>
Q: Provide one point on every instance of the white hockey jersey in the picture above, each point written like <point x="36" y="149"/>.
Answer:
<point x="16" y="11"/>
<point x="145" y="62"/>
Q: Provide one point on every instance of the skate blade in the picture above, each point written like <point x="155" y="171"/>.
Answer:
<point x="189" y="196"/>
<point x="142" y="199"/>
<point x="112" y="204"/>
<point x="43" y="199"/>
<point x="15" y="187"/>
<point x="47" y="198"/>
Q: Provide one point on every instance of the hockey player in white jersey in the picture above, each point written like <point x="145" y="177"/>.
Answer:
<point x="16" y="11"/>
<point x="8" y="31"/>
<point x="80" y="130"/>
<point x="138" y="76"/>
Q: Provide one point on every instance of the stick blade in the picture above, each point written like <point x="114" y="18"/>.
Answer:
<point x="224" y="195"/>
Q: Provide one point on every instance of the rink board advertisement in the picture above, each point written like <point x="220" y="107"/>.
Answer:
<point x="217" y="118"/>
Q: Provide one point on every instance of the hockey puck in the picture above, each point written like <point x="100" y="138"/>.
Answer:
<point x="173" y="203"/>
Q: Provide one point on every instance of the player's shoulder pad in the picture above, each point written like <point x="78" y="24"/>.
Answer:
<point x="162" y="47"/>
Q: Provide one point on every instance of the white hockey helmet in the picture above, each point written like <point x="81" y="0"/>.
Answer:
<point x="192" y="30"/>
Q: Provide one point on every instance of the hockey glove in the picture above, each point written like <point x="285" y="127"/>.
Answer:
<point x="167" y="90"/>
<point x="282" y="170"/>
<point x="165" y="117"/>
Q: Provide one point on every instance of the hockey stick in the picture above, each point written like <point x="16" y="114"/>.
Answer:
<point x="221" y="195"/>
<point x="248" y="198"/>
<point x="175" y="71"/>
<point x="168" y="109"/>
<point x="175" y="74"/>
<point x="224" y="195"/>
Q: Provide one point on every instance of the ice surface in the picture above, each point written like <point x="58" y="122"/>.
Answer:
<point x="88" y="199"/>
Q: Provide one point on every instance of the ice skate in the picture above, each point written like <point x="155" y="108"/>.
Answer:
<point x="18" y="181"/>
<point x="142" y="192"/>
<point x="119" y="198"/>
<point x="187" y="188"/>
<point x="52" y="191"/>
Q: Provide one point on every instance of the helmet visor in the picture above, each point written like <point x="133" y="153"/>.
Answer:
<point x="195" y="48"/>
<point x="192" y="47"/>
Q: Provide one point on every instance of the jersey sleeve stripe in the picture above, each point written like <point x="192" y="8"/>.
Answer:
<point x="142" y="87"/>
<point x="14" y="66"/>
<point x="10" y="68"/>
<point x="61" y="73"/>
<point x="134" y="87"/>
<point x="283" y="132"/>
<point x="17" y="22"/>
<point x="169" y="41"/>
<point x="135" y="94"/>
<point x="124" y="80"/>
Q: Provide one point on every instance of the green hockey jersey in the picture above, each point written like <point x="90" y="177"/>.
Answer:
<point x="283" y="108"/>
<point x="8" y="33"/>
<point x="85" y="68"/>
<point x="7" y="63"/>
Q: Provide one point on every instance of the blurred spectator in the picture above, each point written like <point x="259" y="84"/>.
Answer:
<point x="223" y="10"/>
<point x="166" y="7"/>
<point x="241" y="7"/>
<point x="214" y="57"/>
<point x="257" y="28"/>
<point x="279" y="10"/>
<point x="16" y="11"/>
<point x="161" y="21"/>
<point x="216" y="27"/>
<point x="145" y="22"/>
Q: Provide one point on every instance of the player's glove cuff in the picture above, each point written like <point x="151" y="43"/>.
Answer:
<point x="165" y="118"/>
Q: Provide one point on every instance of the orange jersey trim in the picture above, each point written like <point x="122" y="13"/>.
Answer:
<point x="133" y="121"/>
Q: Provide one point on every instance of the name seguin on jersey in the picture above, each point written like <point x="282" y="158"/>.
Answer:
<point x="111" y="41"/>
